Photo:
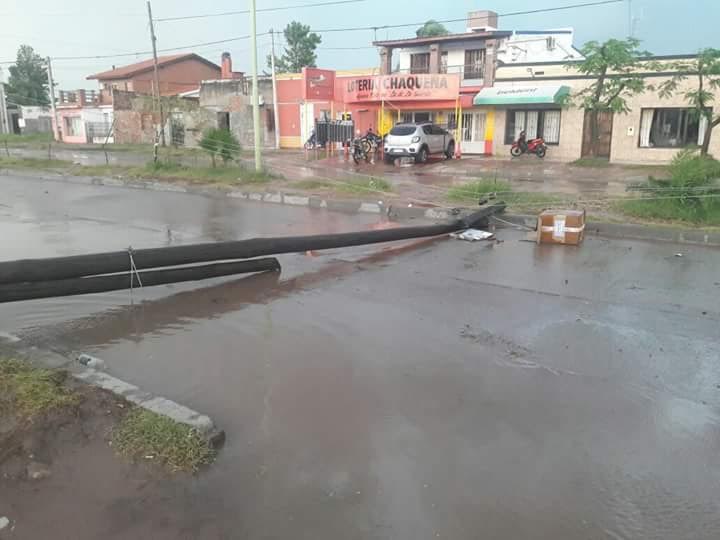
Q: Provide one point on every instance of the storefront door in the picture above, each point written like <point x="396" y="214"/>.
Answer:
<point x="473" y="132"/>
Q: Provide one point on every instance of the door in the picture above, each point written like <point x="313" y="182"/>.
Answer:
<point x="473" y="133"/>
<point x="601" y="146"/>
<point x="307" y="121"/>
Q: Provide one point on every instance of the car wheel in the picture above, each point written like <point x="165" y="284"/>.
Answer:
<point x="422" y="155"/>
<point x="389" y="160"/>
<point x="450" y="153"/>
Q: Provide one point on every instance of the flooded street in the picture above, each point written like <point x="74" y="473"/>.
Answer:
<point x="435" y="389"/>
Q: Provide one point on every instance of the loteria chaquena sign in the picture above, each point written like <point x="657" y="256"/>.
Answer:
<point x="401" y="87"/>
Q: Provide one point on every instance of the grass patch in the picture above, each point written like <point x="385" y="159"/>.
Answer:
<point x="29" y="392"/>
<point x="358" y="187"/>
<point x="161" y="170"/>
<point x="706" y="212"/>
<point x="591" y="162"/>
<point x="32" y="139"/>
<point x="176" y="446"/>
<point x="472" y="192"/>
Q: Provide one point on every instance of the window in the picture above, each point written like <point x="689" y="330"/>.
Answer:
<point x="423" y="117"/>
<point x="427" y="130"/>
<point x="671" y="128"/>
<point x="407" y="118"/>
<point x="73" y="126"/>
<point x="403" y="131"/>
<point x="474" y="63"/>
<point x="420" y="63"/>
<point x="443" y="62"/>
<point x="437" y="130"/>
<point x="536" y="123"/>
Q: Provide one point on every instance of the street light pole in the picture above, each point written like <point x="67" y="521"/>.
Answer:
<point x="51" y="87"/>
<point x="255" y="91"/>
<point x="275" y="94"/>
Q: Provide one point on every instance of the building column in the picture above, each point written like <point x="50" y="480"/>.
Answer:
<point x="385" y="61"/>
<point x="435" y="58"/>
<point x="489" y="68"/>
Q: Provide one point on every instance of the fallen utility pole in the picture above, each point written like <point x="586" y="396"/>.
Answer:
<point x="77" y="266"/>
<point x="15" y="292"/>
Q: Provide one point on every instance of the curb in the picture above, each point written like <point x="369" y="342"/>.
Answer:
<point x="634" y="231"/>
<point x="86" y="369"/>
<point x="347" y="206"/>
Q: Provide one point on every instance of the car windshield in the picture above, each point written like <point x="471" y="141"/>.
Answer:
<point x="402" y="131"/>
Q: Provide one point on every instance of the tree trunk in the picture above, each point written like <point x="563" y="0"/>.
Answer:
<point x="705" y="149"/>
<point x="593" y="132"/>
<point x="212" y="158"/>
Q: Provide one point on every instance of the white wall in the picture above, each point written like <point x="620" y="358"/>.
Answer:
<point x="531" y="46"/>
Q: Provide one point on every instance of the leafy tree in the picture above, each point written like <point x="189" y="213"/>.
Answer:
<point x="614" y="67"/>
<point x="705" y="69"/>
<point x="299" y="50"/>
<point x="28" y="84"/>
<point x="222" y="143"/>
<point x="431" y="28"/>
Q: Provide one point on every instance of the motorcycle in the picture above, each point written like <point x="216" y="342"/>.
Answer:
<point x="363" y="148"/>
<point x="534" y="146"/>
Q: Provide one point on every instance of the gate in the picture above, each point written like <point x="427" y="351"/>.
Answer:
<point x="601" y="146"/>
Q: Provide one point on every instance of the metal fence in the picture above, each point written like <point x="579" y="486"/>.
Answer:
<point x="98" y="131"/>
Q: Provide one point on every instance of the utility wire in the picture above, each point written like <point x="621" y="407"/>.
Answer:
<point x="247" y="11"/>
<point x="329" y="30"/>
<point x="510" y="14"/>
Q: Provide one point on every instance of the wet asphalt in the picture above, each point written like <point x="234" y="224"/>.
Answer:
<point x="435" y="389"/>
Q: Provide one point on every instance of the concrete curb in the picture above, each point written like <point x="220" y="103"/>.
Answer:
<point x="86" y="369"/>
<point x="397" y="213"/>
<point x="634" y="231"/>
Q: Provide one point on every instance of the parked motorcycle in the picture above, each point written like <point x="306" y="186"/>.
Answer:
<point x="363" y="148"/>
<point x="534" y="146"/>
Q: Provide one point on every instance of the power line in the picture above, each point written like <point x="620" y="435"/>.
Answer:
<point x="246" y="11"/>
<point x="328" y="30"/>
<point x="511" y="14"/>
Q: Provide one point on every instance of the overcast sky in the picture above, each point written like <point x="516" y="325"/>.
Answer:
<point x="89" y="27"/>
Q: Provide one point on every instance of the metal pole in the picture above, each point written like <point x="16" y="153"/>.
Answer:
<point x="51" y="88"/>
<point x="275" y="94"/>
<point x="156" y="74"/>
<point x="255" y="92"/>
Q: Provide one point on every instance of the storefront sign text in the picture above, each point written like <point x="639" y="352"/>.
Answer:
<point x="402" y="87"/>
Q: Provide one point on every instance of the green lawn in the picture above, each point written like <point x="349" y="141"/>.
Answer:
<point x="471" y="193"/>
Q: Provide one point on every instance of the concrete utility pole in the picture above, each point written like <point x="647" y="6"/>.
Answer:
<point x="51" y="88"/>
<point x="255" y="92"/>
<point x="275" y="94"/>
<point x="4" y="124"/>
<point x="157" y="75"/>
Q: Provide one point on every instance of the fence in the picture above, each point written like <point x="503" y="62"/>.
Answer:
<point x="98" y="132"/>
<point x="334" y="131"/>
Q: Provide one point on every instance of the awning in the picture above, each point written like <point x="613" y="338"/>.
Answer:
<point x="521" y="95"/>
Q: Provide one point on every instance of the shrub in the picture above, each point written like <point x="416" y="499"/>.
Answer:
<point x="222" y="143"/>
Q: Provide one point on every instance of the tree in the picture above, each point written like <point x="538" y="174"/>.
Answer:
<point x="614" y="67"/>
<point x="431" y="28"/>
<point x="299" y="49"/>
<point x="28" y="84"/>
<point x="220" y="142"/>
<point x="705" y="69"/>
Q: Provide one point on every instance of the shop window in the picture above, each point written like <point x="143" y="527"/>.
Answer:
<point x="443" y="62"/>
<point x="420" y="63"/>
<point x="535" y="123"/>
<point x="423" y="117"/>
<point x="671" y="128"/>
<point x="474" y="63"/>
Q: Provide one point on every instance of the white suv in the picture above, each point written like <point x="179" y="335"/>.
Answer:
<point x="418" y="141"/>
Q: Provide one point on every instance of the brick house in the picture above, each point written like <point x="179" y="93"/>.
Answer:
<point x="177" y="74"/>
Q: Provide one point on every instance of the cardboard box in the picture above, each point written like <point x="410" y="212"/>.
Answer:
<point x="561" y="227"/>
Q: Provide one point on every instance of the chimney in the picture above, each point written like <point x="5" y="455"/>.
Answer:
<point x="226" y="71"/>
<point x="482" y="21"/>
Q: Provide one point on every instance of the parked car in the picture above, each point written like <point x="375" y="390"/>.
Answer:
<point x="418" y="141"/>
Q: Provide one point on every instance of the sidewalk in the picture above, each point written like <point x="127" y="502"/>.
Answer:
<point x="428" y="180"/>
